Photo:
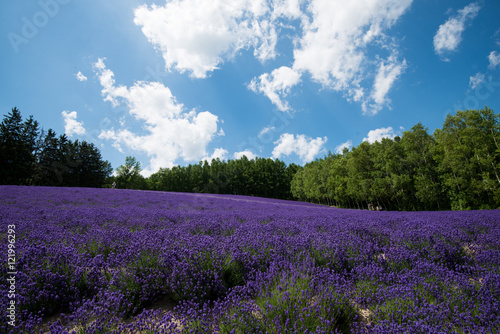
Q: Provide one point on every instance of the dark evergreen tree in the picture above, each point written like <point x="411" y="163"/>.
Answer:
<point x="28" y="156"/>
<point x="18" y="148"/>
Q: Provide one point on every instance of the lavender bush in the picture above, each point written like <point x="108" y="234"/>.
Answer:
<point x="124" y="261"/>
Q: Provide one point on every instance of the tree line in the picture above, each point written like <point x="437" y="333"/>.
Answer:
<point x="31" y="156"/>
<point x="257" y="177"/>
<point x="457" y="168"/>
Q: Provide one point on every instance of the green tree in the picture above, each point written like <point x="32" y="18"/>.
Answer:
<point x="360" y="169"/>
<point x="388" y="161"/>
<point x="297" y="185"/>
<point x="129" y="176"/>
<point x="469" y="158"/>
<point x="89" y="170"/>
<point x="18" y="148"/>
<point x="49" y="169"/>
<point x="29" y="156"/>
<point x="456" y="168"/>
<point x="337" y="179"/>
<point x="290" y="172"/>
<point x="418" y="146"/>
<point x="62" y="162"/>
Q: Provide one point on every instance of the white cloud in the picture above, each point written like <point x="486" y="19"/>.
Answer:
<point x="80" y="77"/>
<point x="476" y="80"/>
<point x="71" y="125"/>
<point x="494" y="59"/>
<point x="333" y="49"/>
<point x="198" y="35"/>
<point x="449" y="34"/>
<point x="107" y="81"/>
<point x="305" y="147"/>
<point x="276" y="85"/>
<point x="249" y="154"/>
<point x="387" y="74"/>
<point x="339" y="149"/>
<point x="172" y="131"/>
<point x="378" y="134"/>
<point x="266" y="130"/>
<point x="218" y="153"/>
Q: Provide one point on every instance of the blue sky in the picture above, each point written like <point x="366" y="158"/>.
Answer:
<point x="174" y="82"/>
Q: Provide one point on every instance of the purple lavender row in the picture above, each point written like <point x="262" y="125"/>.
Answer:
<point x="124" y="261"/>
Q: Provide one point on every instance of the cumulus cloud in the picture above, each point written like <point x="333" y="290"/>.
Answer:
<point x="379" y="134"/>
<point x="198" y="35"/>
<point x="249" y="154"/>
<point x="494" y="59"/>
<point x="218" y="153"/>
<point x="476" y="80"/>
<point x="333" y="50"/>
<point x="339" y="149"/>
<point x="276" y="85"/>
<point x="331" y="45"/>
<point x="305" y="147"/>
<point x="172" y="131"/>
<point x="449" y="34"/>
<point x="80" y="77"/>
<point x="71" y="125"/>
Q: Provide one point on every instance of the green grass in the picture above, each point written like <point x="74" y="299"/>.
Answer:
<point x="232" y="272"/>
<point x="367" y="289"/>
<point x="329" y="258"/>
<point x="96" y="247"/>
<point x="291" y="302"/>
<point x="394" y="310"/>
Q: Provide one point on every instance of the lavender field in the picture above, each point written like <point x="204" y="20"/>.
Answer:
<point x="124" y="261"/>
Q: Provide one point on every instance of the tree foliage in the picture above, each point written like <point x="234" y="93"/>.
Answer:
<point x="257" y="177"/>
<point x="29" y="156"/>
<point x="129" y="175"/>
<point x="18" y="148"/>
<point x="458" y="167"/>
